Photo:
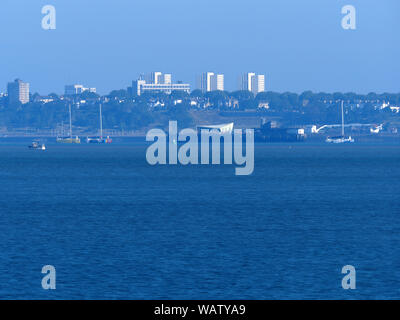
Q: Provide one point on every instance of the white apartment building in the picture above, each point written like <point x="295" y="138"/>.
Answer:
<point x="18" y="91"/>
<point x="167" y="78"/>
<point x="253" y="82"/>
<point x="209" y="81"/>
<point x="218" y="83"/>
<point x="158" y="78"/>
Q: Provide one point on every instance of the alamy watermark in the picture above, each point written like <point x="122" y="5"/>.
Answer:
<point x="49" y="280"/>
<point x="199" y="141"/>
<point x="49" y="20"/>
<point x="349" y="20"/>
<point x="349" y="280"/>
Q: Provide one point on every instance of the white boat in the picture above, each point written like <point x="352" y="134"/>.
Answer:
<point x="37" y="146"/>
<point x="376" y="129"/>
<point x="339" y="139"/>
<point x="342" y="138"/>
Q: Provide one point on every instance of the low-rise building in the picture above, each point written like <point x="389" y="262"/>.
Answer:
<point x="74" y="89"/>
<point x="161" y="83"/>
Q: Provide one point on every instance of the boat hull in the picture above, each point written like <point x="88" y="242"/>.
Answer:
<point x="340" y="140"/>
<point x="98" y="140"/>
<point x="37" y="146"/>
<point x="69" y="140"/>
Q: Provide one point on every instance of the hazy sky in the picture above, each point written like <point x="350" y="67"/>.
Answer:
<point x="299" y="44"/>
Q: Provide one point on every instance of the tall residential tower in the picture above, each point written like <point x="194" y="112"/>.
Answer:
<point x="253" y="82"/>
<point x="18" y="92"/>
<point x="209" y="81"/>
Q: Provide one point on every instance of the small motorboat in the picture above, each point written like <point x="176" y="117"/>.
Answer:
<point x="37" y="146"/>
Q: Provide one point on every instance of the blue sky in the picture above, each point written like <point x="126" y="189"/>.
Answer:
<point x="299" y="45"/>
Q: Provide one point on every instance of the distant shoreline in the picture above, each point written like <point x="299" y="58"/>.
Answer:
<point x="383" y="137"/>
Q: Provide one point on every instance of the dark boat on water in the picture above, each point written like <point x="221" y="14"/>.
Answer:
<point x="268" y="132"/>
<point x="37" y="146"/>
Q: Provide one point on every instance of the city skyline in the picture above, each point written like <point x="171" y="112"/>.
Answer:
<point x="159" y="81"/>
<point x="299" y="46"/>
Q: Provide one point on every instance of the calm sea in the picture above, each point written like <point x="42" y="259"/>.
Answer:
<point x="115" y="227"/>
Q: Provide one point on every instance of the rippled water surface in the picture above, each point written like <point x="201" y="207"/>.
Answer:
<point x="116" y="227"/>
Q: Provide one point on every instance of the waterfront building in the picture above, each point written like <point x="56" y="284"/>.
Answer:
<point x="220" y="128"/>
<point x="18" y="92"/>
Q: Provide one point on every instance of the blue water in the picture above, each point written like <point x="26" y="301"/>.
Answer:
<point x="115" y="227"/>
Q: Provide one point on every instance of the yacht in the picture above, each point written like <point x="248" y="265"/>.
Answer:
<point x="69" y="139"/>
<point x="100" y="139"/>
<point x="342" y="138"/>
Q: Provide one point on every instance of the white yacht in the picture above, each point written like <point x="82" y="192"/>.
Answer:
<point x="342" y="138"/>
<point x="99" y="139"/>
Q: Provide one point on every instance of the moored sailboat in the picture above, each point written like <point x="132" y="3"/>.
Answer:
<point x="69" y="139"/>
<point x="342" y="138"/>
<point x="99" y="139"/>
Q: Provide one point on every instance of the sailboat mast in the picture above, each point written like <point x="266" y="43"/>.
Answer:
<point x="342" y="120"/>
<point x="101" y="124"/>
<point x="70" y="121"/>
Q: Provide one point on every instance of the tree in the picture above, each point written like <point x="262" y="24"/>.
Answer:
<point x="273" y="98"/>
<point x="120" y="94"/>
<point x="338" y="96"/>
<point x="306" y="96"/>
<point x="372" y="96"/>
<point x="242" y="95"/>
<point x="197" y="93"/>
<point x="179" y="94"/>
<point x="86" y="95"/>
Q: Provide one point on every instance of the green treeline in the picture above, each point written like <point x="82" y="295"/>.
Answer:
<point x="122" y="112"/>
